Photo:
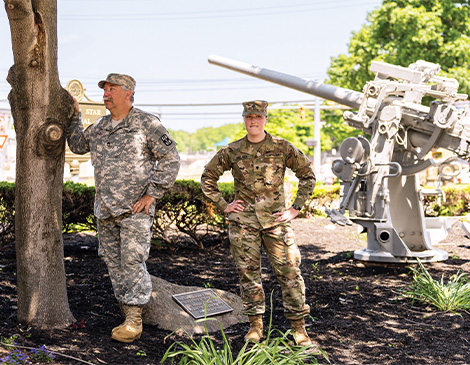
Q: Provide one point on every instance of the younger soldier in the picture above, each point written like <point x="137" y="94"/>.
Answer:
<point x="258" y="217"/>
<point x="135" y="161"/>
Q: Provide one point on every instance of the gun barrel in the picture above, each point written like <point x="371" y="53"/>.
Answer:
<point x="339" y="95"/>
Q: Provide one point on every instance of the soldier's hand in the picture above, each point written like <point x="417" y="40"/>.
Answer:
<point x="287" y="215"/>
<point x="76" y="106"/>
<point x="144" y="203"/>
<point x="235" y="206"/>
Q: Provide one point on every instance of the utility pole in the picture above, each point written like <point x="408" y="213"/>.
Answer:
<point x="316" y="136"/>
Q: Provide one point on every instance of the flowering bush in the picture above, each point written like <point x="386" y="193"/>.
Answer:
<point x="17" y="357"/>
<point x="42" y="354"/>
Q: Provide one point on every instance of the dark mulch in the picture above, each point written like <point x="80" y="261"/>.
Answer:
<point x="357" y="316"/>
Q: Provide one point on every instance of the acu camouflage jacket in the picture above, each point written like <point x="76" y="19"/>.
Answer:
<point x="258" y="178"/>
<point x="136" y="157"/>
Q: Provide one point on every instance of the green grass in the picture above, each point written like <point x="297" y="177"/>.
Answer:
<point x="452" y="296"/>
<point x="273" y="350"/>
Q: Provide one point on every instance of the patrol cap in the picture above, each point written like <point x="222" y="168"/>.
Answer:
<point x="119" y="79"/>
<point x="255" y="107"/>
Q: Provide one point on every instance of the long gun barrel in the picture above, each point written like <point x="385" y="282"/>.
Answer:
<point x="339" y="95"/>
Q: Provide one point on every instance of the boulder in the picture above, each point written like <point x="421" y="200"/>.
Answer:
<point x="164" y="312"/>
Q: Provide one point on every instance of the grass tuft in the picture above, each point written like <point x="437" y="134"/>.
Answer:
<point x="273" y="350"/>
<point x="452" y="296"/>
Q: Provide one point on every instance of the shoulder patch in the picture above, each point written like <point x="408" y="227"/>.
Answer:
<point x="166" y="140"/>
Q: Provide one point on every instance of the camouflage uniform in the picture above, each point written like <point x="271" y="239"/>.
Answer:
<point x="135" y="158"/>
<point x="259" y="182"/>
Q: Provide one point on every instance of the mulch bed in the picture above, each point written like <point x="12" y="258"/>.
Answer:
<point x="357" y="313"/>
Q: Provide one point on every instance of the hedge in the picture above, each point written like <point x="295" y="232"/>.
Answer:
<point x="7" y="211"/>
<point x="183" y="214"/>
<point x="454" y="202"/>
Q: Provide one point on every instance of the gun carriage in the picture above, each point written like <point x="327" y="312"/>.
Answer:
<point x="378" y="175"/>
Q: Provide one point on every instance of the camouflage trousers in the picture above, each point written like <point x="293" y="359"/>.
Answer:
<point x="284" y="255"/>
<point x="124" y="245"/>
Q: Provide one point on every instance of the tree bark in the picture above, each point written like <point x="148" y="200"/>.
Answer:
<point x="41" y="110"/>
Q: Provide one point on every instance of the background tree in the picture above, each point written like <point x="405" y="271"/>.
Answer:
<point x="204" y="139"/>
<point x="401" y="32"/>
<point x="290" y="125"/>
<point x="182" y="139"/>
<point x="41" y="109"/>
<point x="335" y="130"/>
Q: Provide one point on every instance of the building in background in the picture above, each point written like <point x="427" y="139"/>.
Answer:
<point x="7" y="146"/>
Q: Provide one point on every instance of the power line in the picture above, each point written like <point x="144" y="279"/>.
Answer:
<point x="223" y="104"/>
<point x="315" y="75"/>
<point x="229" y="13"/>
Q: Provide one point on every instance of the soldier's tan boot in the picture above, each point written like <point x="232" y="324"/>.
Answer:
<point x="256" y="328"/>
<point x="131" y="328"/>
<point x="300" y="333"/>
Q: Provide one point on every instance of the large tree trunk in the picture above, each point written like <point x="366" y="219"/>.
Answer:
<point x="41" y="109"/>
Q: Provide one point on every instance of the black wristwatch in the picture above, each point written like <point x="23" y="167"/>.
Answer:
<point x="296" y="207"/>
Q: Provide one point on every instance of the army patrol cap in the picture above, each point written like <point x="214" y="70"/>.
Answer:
<point x="119" y="79"/>
<point x="255" y="107"/>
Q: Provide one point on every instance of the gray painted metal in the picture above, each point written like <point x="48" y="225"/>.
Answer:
<point x="342" y="96"/>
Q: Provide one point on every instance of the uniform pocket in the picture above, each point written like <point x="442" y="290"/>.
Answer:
<point x="235" y="234"/>
<point x="273" y="170"/>
<point x="126" y="142"/>
<point x="242" y="171"/>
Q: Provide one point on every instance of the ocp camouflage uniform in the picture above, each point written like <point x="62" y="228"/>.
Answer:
<point x="259" y="183"/>
<point x="135" y="158"/>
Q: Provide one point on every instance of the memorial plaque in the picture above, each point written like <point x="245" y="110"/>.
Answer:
<point x="202" y="303"/>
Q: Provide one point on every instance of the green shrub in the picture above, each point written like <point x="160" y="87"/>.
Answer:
<point x="184" y="209"/>
<point x="7" y="211"/>
<point x="77" y="207"/>
<point x="185" y="214"/>
<point x="323" y="197"/>
<point x="455" y="204"/>
<point x="227" y="190"/>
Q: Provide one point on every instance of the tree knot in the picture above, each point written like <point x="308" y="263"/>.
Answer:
<point x="51" y="139"/>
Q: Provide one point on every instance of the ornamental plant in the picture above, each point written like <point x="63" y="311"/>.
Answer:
<point x="452" y="296"/>
<point x="273" y="350"/>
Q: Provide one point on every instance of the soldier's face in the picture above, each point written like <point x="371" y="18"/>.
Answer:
<point x="254" y="124"/>
<point x="114" y="95"/>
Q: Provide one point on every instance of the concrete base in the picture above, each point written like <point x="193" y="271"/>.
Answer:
<point x="434" y="255"/>
<point x="439" y="227"/>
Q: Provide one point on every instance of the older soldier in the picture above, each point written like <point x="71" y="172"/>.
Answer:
<point x="135" y="161"/>
<point x="258" y="217"/>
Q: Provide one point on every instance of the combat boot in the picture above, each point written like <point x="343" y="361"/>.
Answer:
<point x="131" y="328"/>
<point x="256" y="328"/>
<point x="300" y="334"/>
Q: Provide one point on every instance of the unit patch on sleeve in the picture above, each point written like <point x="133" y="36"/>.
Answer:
<point x="166" y="140"/>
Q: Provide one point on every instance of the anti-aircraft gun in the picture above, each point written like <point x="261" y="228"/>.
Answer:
<point x="378" y="176"/>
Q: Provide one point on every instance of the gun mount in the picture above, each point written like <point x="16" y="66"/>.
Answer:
<point x="378" y="176"/>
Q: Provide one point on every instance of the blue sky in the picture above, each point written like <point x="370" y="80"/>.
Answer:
<point x="164" y="45"/>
